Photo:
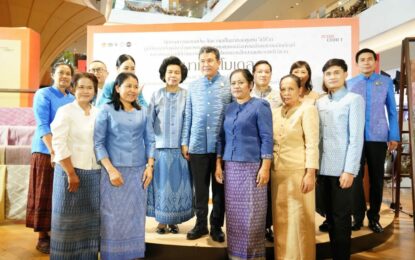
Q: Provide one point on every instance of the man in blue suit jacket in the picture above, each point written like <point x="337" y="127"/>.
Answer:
<point x="381" y="134"/>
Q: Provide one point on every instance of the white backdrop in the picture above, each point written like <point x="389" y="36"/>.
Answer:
<point x="281" y="43"/>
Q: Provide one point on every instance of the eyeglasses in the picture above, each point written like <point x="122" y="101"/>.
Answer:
<point x="97" y="70"/>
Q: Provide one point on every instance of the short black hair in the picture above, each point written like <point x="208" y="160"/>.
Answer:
<point x="299" y="64"/>
<point x="115" y="98"/>
<point x="259" y="63"/>
<point x="210" y="49"/>
<point x="87" y="75"/>
<point x="365" y="50"/>
<point x="61" y="63"/>
<point x="246" y="73"/>
<point x="330" y="63"/>
<point x="293" y="77"/>
<point x="122" y="58"/>
<point x="172" y="60"/>
<point x="335" y="62"/>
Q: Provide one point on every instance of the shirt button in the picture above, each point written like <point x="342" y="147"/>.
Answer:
<point x="208" y="103"/>
<point x="208" y="127"/>
<point x="208" y="115"/>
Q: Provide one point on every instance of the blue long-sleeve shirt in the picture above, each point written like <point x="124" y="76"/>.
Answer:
<point x="342" y="122"/>
<point x="246" y="134"/>
<point x="378" y="92"/>
<point x="126" y="138"/>
<point x="45" y="104"/>
<point x="205" y="107"/>
<point x="166" y="114"/>
<point x="107" y="94"/>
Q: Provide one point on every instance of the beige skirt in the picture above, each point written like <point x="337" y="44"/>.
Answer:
<point x="293" y="217"/>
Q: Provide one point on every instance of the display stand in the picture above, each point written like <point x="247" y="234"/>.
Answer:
<point x="406" y="151"/>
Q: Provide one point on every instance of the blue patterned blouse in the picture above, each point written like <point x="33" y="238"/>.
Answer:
<point x="166" y="114"/>
<point x="342" y="122"/>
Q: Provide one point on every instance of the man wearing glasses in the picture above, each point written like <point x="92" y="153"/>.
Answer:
<point x="99" y="69"/>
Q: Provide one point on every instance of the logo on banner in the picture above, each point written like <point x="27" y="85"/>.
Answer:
<point x="331" y="38"/>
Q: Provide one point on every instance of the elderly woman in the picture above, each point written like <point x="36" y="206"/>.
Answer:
<point x="296" y="127"/>
<point x="75" y="197"/>
<point x="302" y="70"/>
<point x="246" y="148"/>
<point x="45" y="104"/>
<point x="124" y="145"/>
<point x="170" y="192"/>
<point x="124" y="63"/>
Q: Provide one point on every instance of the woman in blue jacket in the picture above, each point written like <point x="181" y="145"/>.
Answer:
<point x="246" y="147"/>
<point x="124" y="145"/>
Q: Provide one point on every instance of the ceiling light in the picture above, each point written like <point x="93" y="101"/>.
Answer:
<point x="276" y="17"/>
<point x="297" y="4"/>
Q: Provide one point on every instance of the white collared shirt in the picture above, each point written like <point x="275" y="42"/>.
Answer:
<point x="72" y="136"/>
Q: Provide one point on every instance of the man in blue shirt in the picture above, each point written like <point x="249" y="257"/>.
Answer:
<point x="381" y="134"/>
<point x="205" y="107"/>
<point x="99" y="69"/>
<point x="341" y="140"/>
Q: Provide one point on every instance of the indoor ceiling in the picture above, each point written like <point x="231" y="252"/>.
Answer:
<point x="278" y="9"/>
<point x="59" y="22"/>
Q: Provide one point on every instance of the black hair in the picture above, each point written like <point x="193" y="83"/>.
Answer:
<point x="246" y="73"/>
<point x="61" y="63"/>
<point x="172" y="60"/>
<point x="210" y="49"/>
<point x="333" y="62"/>
<point x="87" y="75"/>
<point x="299" y="64"/>
<point x="122" y="58"/>
<point x="115" y="98"/>
<point x="259" y="63"/>
<point x="293" y="77"/>
<point x="365" y="50"/>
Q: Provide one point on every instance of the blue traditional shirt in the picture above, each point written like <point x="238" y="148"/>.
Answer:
<point x="205" y="107"/>
<point x="107" y="94"/>
<point x="126" y="138"/>
<point x="45" y="104"/>
<point x="166" y="114"/>
<point x="246" y="134"/>
<point x="342" y="122"/>
<point x="378" y="92"/>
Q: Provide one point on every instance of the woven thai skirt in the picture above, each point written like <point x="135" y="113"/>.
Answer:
<point x="169" y="197"/>
<point x="75" y="216"/>
<point x="39" y="198"/>
<point x="246" y="210"/>
<point x="123" y="215"/>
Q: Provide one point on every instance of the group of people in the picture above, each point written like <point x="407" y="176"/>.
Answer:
<point x="103" y="159"/>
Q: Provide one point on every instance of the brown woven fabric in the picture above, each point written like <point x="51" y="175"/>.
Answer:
<point x="39" y="198"/>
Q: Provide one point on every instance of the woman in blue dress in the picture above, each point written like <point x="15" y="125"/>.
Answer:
<point x="124" y="145"/>
<point x="170" y="193"/>
<point x="125" y="63"/>
<point x="39" y="200"/>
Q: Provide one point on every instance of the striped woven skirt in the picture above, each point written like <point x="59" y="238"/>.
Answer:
<point x="75" y="216"/>
<point x="123" y="215"/>
<point x="39" y="197"/>
<point x="170" y="193"/>
<point x="245" y="208"/>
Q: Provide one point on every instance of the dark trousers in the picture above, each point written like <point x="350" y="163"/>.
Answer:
<point x="268" y="220"/>
<point x="203" y="168"/>
<point x="338" y="209"/>
<point x="374" y="154"/>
